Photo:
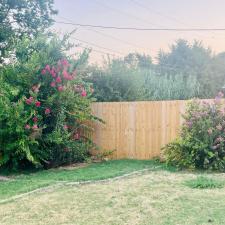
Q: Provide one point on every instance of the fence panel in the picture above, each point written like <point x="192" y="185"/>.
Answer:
<point x="137" y="130"/>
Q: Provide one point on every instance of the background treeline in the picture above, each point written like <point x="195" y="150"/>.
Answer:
<point x="186" y="71"/>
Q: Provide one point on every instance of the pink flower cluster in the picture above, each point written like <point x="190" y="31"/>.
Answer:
<point x="30" y="100"/>
<point x="35" y="119"/>
<point x="34" y="127"/>
<point x="59" y="74"/>
<point x="80" y="89"/>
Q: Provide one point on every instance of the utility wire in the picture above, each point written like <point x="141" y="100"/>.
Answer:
<point x="141" y="5"/>
<point x="165" y="66"/>
<point x="98" y="46"/>
<point x="98" y="51"/>
<point x="157" y="12"/>
<point x="141" y="29"/>
<point x="109" y="36"/>
<point x="125" y="13"/>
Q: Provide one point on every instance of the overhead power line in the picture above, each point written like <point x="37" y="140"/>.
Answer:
<point x="123" y="13"/>
<point x="107" y="35"/>
<point x="157" y="12"/>
<point x="141" y="5"/>
<point x="98" y="51"/>
<point x="141" y="29"/>
<point x="98" y="46"/>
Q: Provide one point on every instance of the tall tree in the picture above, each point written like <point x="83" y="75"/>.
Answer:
<point x="20" y="18"/>
<point x="185" y="58"/>
<point x="189" y="60"/>
<point x="136" y="60"/>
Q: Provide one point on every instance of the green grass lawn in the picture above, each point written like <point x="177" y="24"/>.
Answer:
<point x="28" y="182"/>
<point x="157" y="196"/>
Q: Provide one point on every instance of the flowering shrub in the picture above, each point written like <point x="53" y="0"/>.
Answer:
<point x="45" y="126"/>
<point x="202" y="141"/>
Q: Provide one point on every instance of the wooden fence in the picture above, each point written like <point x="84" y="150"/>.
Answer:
<point x="137" y="130"/>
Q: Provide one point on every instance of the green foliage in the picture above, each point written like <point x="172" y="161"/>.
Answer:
<point x="194" y="60"/>
<point x="116" y="82"/>
<point x="122" y="81"/>
<point x="170" y="87"/>
<point x="202" y="182"/>
<point x="44" y="107"/>
<point x="202" y="141"/>
<point x="14" y="141"/>
<point x="186" y="71"/>
<point x="22" y="17"/>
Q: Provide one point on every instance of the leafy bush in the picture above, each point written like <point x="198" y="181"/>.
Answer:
<point x="202" y="141"/>
<point x="118" y="81"/>
<point x="204" y="183"/>
<point x="15" y="144"/>
<point x="44" y="110"/>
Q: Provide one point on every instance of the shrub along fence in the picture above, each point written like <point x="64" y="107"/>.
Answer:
<point x="137" y="130"/>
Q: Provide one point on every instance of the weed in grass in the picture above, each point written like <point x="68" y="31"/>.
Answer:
<point x="205" y="183"/>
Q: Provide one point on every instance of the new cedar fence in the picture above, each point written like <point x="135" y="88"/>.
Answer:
<point x="137" y="130"/>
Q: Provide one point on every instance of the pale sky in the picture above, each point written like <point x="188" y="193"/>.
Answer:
<point x="144" y="14"/>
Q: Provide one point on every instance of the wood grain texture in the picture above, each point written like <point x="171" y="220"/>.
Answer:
<point x="137" y="130"/>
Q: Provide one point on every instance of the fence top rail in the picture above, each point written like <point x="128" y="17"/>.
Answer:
<point x="141" y="102"/>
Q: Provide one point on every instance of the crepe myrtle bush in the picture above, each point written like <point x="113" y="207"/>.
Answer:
<point x="46" y="126"/>
<point x="201" y="144"/>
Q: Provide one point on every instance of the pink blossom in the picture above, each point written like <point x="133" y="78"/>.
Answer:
<point x="83" y="93"/>
<point x="37" y="103"/>
<point x="47" y="111"/>
<point x="29" y="100"/>
<point x="53" y="73"/>
<point x="58" y="80"/>
<point x="65" y="127"/>
<point x="60" y="88"/>
<point x="27" y="126"/>
<point x="35" y="127"/>
<point x="53" y="84"/>
<point x="64" y="62"/>
<point x="35" y="119"/>
<point x="43" y="72"/>
<point x="47" y="67"/>
<point x="66" y="75"/>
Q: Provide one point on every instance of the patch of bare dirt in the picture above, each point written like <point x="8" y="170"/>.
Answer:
<point x="74" y="166"/>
